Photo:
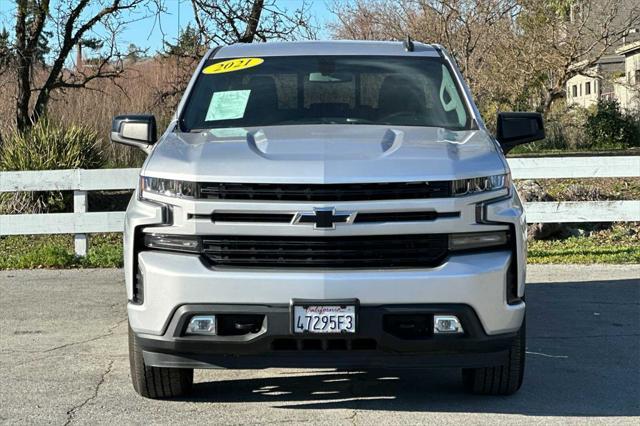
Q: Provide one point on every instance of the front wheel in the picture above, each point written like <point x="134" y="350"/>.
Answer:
<point x="156" y="382"/>
<point x="504" y="379"/>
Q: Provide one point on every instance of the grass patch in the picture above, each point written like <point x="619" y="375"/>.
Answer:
<point x="56" y="251"/>
<point x="620" y="244"/>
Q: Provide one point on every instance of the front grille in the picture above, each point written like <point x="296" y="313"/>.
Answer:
<point x="372" y="251"/>
<point x="324" y="192"/>
<point x="251" y="217"/>
<point x="404" y="216"/>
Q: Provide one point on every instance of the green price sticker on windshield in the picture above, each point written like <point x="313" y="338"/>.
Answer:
<point x="232" y="65"/>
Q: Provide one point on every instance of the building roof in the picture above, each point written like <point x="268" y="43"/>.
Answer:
<point x="605" y="60"/>
<point x="629" y="48"/>
<point x="335" y="47"/>
<point x="611" y="59"/>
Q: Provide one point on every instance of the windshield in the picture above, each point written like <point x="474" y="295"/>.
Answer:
<point x="271" y="91"/>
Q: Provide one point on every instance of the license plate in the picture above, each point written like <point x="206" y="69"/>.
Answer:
<point x="324" y="319"/>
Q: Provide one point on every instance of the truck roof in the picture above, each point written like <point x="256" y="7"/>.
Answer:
<point x="321" y="48"/>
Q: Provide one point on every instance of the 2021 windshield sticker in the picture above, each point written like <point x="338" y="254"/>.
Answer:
<point x="232" y="65"/>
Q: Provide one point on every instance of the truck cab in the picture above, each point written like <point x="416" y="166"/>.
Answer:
<point x="334" y="204"/>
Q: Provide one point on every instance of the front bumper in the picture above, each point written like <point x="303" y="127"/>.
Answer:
<point x="376" y="343"/>
<point x="475" y="280"/>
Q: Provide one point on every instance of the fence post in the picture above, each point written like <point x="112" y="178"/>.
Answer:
<point x="81" y="241"/>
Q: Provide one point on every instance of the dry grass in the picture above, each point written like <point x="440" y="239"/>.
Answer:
<point x="595" y="189"/>
<point x="136" y="91"/>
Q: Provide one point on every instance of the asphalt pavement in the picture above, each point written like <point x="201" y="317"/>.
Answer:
<point x="63" y="360"/>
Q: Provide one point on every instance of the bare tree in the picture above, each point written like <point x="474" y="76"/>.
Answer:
<point x="245" y="21"/>
<point x="513" y="53"/>
<point x="96" y="23"/>
<point x="476" y="32"/>
<point x="561" y="43"/>
<point x="224" y="22"/>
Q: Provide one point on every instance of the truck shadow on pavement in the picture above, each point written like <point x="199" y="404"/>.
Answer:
<point x="583" y="349"/>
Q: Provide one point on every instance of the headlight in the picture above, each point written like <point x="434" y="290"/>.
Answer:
<point x="481" y="184"/>
<point x="168" y="187"/>
<point x="185" y="243"/>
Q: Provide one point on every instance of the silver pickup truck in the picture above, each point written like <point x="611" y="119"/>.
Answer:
<point x="331" y="204"/>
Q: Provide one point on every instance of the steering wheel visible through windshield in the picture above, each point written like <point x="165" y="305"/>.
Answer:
<point x="296" y="90"/>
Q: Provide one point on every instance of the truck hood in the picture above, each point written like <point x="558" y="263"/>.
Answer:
<point x="324" y="154"/>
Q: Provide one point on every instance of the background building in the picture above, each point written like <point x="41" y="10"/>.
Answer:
<point x="627" y="87"/>
<point x="615" y="76"/>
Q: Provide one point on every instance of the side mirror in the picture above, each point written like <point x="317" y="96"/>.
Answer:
<point x="517" y="128"/>
<point x="135" y="130"/>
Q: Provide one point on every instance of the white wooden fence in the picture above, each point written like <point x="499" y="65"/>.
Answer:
<point x="81" y="222"/>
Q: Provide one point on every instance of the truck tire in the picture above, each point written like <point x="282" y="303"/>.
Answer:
<point x="504" y="379"/>
<point x="157" y="382"/>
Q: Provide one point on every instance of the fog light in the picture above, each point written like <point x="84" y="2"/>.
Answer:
<point x="202" y="324"/>
<point x="446" y="324"/>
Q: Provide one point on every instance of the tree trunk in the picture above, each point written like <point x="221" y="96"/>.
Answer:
<point x="23" y="68"/>
<point x="44" y="95"/>
<point x="551" y="95"/>
<point x="252" y="24"/>
<point x="26" y="46"/>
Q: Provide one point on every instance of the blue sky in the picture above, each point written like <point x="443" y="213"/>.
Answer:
<point x="146" y="33"/>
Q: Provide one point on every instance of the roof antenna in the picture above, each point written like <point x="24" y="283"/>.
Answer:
<point x="408" y="44"/>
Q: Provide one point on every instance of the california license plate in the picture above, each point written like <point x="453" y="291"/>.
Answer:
<point x="324" y="319"/>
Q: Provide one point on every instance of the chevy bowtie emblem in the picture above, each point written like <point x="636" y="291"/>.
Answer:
<point x="324" y="218"/>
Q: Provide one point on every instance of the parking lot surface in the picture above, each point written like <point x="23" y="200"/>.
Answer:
<point x="63" y="360"/>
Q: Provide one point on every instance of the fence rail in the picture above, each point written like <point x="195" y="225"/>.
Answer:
<point x="574" y="167"/>
<point x="80" y="181"/>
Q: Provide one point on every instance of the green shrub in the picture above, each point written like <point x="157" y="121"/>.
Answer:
<point x="37" y="251"/>
<point x="601" y="127"/>
<point x="105" y="251"/>
<point x="46" y="146"/>
<point x="565" y="131"/>
<point x="607" y="127"/>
